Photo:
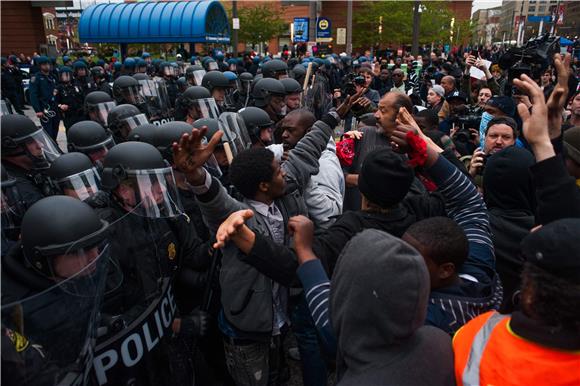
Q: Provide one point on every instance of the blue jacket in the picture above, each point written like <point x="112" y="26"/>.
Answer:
<point x="42" y="91"/>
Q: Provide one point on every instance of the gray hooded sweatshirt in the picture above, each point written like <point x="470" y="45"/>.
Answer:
<point x="378" y="303"/>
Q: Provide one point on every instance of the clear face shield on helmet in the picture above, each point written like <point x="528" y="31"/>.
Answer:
<point x="4" y="109"/>
<point x="126" y="125"/>
<point x="130" y="95"/>
<point x="150" y="193"/>
<point x="38" y="147"/>
<point x="60" y="322"/>
<point x="99" y="112"/>
<point x="65" y="77"/>
<point x="98" y="151"/>
<point x="212" y="66"/>
<point x="203" y="108"/>
<point x="169" y="71"/>
<point x="11" y="206"/>
<point x="195" y="78"/>
<point x="155" y="95"/>
<point x="236" y="135"/>
<point x="82" y="185"/>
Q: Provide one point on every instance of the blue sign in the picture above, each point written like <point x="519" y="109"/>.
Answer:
<point x="301" y="29"/>
<point x="323" y="29"/>
<point x="537" y="19"/>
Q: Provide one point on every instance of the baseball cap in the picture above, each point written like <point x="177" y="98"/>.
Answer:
<point x="572" y="143"/>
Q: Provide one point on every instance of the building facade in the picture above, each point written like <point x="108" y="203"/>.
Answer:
<point x="487" y="23"/>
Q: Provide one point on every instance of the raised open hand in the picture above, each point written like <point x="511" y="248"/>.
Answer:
<point x="231" y="226"/>
<point x="191" y="153"/>
<point x="557" y="100"/>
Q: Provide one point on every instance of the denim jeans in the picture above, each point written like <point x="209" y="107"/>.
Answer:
<point x="254" y="363"/>
<point x="313" y="365"/>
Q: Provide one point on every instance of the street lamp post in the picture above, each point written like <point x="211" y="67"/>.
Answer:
<point x="416" y="21"/>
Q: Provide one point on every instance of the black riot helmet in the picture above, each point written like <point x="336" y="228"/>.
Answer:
<point x="141" y="180"/>
<point x="291" y="86"/>
<point x="141" y="76"/>
<point x="213" y="127"/>
<point x="61" y="225"/>
<point x="98" y="73"/>
<point x="265" y="89"/>
<point x="194" y="74"/>
<point x="182" y="84"/>
<point x="126" y="90"/>
<point x="143" y="133"/>
<point x="74" y="175"/>
<point x="124" y="118"/>
<point x="275" y="68"/>
<point x="298" y="72"/>
<point x="215" y="79"/>
<point x="246" y="77"/>
<point x="198" y="102"/>
<point x="166" y="70"/>
<point x="97" y="106"/>
<point x="90" y="138"/>
<point x="255" y="120"/>
<point x="12" y="206"/>
<point x="194" y="93"/>
<point x="21" y="137"/>
<point x="167" y="134"/>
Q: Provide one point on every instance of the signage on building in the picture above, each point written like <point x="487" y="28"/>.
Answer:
<point x="323" y="30"/>
<point x="300" y="29"/>
<point x="538" y="19"/>
<point x="341" y="36"/>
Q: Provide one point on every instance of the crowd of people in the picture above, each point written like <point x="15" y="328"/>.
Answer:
<point x="381" y="220"/>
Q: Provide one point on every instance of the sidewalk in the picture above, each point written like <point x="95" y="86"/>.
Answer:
<point x="61" y="139"/>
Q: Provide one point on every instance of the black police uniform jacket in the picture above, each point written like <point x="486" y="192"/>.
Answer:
<point x="148" y="250"/>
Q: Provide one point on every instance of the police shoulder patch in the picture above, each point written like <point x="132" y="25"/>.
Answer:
<point x="20" y="342"/>
<point x="171" y="251"/>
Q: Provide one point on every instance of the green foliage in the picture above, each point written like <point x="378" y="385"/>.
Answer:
<point x="260" y="23"/>
<point x="396" y="19"/>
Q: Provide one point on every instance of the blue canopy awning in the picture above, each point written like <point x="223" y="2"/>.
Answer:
<point x="155" y="22"/>
<point x="565" y="42"/>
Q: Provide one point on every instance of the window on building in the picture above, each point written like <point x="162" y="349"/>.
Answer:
<point x="51" y="40"/>
<point x="541" y="9"/>
<point x="532" y="9"/>
<point x="49" y="21"/>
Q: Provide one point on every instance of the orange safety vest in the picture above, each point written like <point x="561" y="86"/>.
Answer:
<point x="488" y="353"/>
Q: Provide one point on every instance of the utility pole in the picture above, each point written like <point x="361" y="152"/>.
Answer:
<point x="416" y="21"/>
<point x="349" y="27"/>
<point x="235" y="31"/>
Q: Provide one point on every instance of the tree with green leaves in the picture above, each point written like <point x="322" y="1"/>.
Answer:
<point x="379" y="22"/>
<point x="260" y="23"/>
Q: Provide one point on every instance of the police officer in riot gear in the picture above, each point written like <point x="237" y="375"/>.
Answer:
<point x="129" y="66"/>
<point x="259" y="126"/>
<point x="73" y="175"/>
<point x="269" y="95"/>
<point x="124" y="118"/>
<point x="196" y="102"/>
<point x="276" y="68"/>
<point x="91" y="139"/>
<point x="293" y="94"/>
<point x="194" y="74"/>
<point x="69" y="98"/>
<point x="143" y="133"/>
<point x="41" y="89"/>
<point x="101" y="80"/>
<point x="168" y="74"/>
<point x="182" y="85"/>
<point x="97" y="105"/>
<point x="126" y="91"/>
<point x="52" y="284"/>
<point x="82" y="78"/>
<point x="12" y="208"/>
<point x="217" y="84"/>
<point x="153" y="242"/>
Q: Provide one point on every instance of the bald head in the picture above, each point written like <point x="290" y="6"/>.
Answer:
<point x="295" y="126"/>
<point x="448" y="84"/>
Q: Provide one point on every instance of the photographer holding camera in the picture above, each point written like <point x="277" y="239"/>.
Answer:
<point x="501" y="132"/>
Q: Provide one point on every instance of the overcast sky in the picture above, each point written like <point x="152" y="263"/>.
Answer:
<point x="484" y="4"/>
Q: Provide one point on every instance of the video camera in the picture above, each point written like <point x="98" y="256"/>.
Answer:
<point x="531" y="59"/>
<point x="349" y="82"/>
<point x="469" y="119"/>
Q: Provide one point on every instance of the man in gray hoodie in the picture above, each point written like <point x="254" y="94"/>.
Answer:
<point x="378" y="303"/>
